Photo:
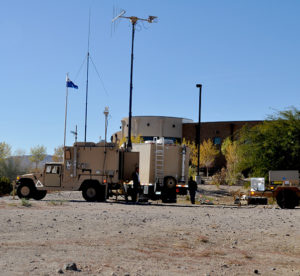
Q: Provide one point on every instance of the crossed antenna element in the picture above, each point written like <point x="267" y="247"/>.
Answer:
<point x="134" y="19"/>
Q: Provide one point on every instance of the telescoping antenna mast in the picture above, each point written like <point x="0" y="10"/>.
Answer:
<point x="133" y="20"/>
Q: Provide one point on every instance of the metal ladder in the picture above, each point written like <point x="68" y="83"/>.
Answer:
<point x="159" y="160"/>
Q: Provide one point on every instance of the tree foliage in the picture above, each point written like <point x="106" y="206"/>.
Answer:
<point x="193" y="152"/>
<point x="10" y="166"/>
<point x="272" y="145"/>
<point x="58" y="155"/>
<point x="230" y="149"/>
<point x="38" y="154"/>
<point x="134" y="139"/>
<point x="5" y="150"/>
<point x="208" y="154"/>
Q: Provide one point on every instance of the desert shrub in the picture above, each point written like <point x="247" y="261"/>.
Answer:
<point x="25" y="202"/>
<point x="247" y="185"/>
<point x="220" y="178"/>
<point x="5" y="186"/>
<point x="235" y="178"/>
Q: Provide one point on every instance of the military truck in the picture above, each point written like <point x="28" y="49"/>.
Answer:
<point x="94" y="169"/>
<point x="103" y="169"/>
<point x="164" y="168"/>
<point x="283" y="186"/>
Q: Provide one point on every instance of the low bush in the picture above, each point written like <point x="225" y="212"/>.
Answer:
<point x="220" y="178"/>
<point x="5" y="186"/>
<point x="25" y="202"/>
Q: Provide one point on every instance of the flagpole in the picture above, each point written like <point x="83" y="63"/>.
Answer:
<point x="66" y="108"/>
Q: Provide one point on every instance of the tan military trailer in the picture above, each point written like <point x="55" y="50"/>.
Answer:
<point x="163" y="168"/>
<point x="94" y="169"/>
<point x="284" y="186"/>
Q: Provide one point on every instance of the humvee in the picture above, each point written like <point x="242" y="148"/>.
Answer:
<point x="94" y="169"/>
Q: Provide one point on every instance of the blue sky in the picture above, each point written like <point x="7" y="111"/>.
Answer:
<point x="245" y="53"/>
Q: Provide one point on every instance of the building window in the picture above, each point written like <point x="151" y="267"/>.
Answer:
<point x="217" y="140"/>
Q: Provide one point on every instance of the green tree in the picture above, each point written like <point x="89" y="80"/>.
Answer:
<point x="58" y="155"/>
<point x="10" y="166"/>
<point x="273" y="145"/>
<point x="5" y="150"/>
<point x="38" y="154"/>
<point x="208" y="154"/>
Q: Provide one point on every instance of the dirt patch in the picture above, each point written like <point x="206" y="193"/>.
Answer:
<point x="113" y="238"/>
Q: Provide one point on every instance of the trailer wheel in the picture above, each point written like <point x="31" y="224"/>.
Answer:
<point x="170" y="182"/>
<point x="287" y="199"/>
<point x="168" y="194"/>
<point x="25" y="190"/>
<point x="39" y="194"/>
<point x="90" y="192"/>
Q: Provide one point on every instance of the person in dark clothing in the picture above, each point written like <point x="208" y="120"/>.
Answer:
<point x="192" y="188"/>
<point x="136" y="185"/>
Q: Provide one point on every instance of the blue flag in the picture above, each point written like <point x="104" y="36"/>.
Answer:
<point x="71" y="84"/>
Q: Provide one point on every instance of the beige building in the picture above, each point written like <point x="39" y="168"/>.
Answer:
<point x="153" y="126"/>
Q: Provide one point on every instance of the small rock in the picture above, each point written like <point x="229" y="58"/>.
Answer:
<point x="127" y="274"/>
<point x="274" y="268"/>
<point x="60" y="271"/>
<point x="71" y="266"/>
<point x="120" y="232"/>
<point x="9" y="220"/>
<point x="287" y="235"/>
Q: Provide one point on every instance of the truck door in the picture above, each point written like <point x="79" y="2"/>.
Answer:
<point x="53" y="175"/>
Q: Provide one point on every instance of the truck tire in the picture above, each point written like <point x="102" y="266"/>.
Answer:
<point x="168" y="194"/>
<point x="90" y="192"/>
<point x="287" y="199"/>
<point x="39" y="194"/>
<point x="101" y="194"/>
<point x="25" y="190"/>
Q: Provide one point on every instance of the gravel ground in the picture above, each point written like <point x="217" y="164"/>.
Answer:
<point x="113" y="238"/>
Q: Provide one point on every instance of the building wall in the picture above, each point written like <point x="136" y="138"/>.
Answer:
<point x="216" y="131"/>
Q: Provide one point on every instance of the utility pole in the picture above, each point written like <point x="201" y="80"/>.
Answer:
<point x="198" y="135"/>
<point x="133" y="20"/>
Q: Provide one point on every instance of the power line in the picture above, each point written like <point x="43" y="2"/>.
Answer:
<point x="99" y="76"/>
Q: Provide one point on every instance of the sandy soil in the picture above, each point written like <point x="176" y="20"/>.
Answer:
<point x="113" y="238"/>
